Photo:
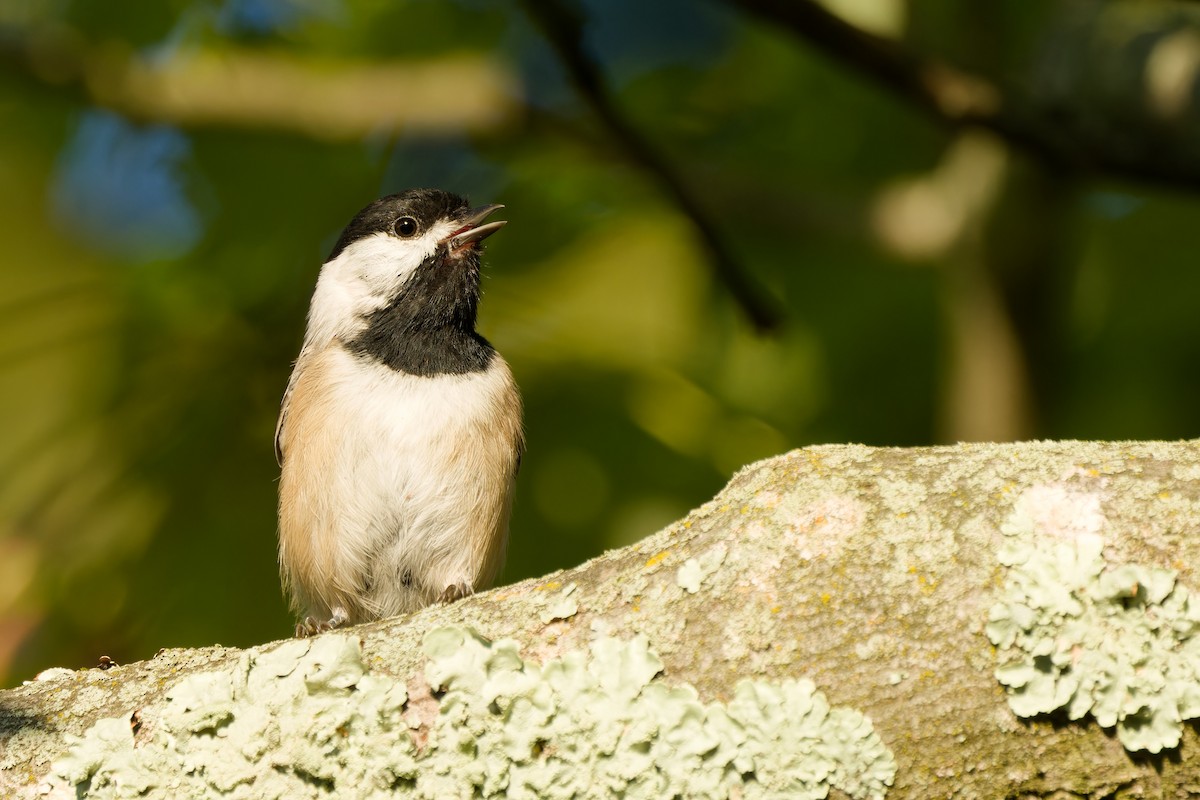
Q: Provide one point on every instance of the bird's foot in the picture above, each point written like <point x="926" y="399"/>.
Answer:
<point x="456" y="591"/>
<point x="312" y="627"/>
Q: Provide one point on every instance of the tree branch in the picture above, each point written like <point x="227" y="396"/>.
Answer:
<point x="997" y="613"/>
<point x="252" y="89"/>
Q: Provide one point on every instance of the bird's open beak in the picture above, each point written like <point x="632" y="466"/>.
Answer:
<point x="471" y="231"/>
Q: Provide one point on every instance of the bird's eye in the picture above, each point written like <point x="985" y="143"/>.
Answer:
<point x="406" y="227"/>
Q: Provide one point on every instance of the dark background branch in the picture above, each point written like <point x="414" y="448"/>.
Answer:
<point x="562" y="24"/>
<point x="1088" y="122"/>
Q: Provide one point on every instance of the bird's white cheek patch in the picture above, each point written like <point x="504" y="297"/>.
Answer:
<point x="381" y="262"/>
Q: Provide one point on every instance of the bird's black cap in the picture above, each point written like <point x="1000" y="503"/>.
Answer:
<point x="426" y="206"/>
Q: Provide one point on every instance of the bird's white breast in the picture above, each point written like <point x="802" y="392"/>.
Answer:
<point x="386" y="472"/>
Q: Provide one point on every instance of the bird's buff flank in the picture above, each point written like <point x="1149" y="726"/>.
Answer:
<point x="400" y="431"/>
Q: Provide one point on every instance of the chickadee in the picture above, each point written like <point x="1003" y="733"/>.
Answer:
<point x="400" y="434"/>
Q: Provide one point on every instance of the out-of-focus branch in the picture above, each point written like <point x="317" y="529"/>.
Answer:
<point x="953" y="94"/>
<point x="562" y="26"/>
<point x="1118" y="101"/>
<point x="269" y="89"/>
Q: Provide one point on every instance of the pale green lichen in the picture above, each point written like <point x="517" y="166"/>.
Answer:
<point x="691" y="573"/>
<point x="689" y="576"/>
<point x="294" y="722"/>
<point x="306" y="721"/>
<point x="1076" y="633"/>
<point x="598" y="724"/>
<point x="563" y="606"/>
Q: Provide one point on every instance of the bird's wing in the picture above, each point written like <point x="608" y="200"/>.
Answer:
<point x="520" y="452"/>
<point x="297" y="368"/>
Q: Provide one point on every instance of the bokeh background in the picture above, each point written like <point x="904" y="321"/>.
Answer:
<point x="735" y="228"/>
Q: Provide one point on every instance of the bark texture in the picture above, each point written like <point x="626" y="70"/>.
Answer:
<point x="872" y="572"/>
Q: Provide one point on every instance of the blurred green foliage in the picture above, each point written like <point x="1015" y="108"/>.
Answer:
<point x="155" y="278"/>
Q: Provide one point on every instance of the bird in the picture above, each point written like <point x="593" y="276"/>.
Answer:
<point x="400" y="433"/>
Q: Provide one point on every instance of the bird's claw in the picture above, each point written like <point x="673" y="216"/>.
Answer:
<point x="313" y="627"/>
<point x="456" y="591"/>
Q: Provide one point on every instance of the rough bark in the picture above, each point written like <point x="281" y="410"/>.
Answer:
<point x="876" y="573"/>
